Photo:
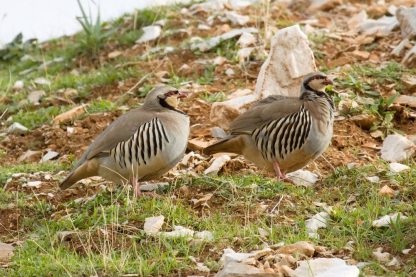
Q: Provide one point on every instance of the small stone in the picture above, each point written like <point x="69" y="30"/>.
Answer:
<point x="69" y="115"/>
<point x="317" y="221"/>
<point x="406" y="100"/>
<point x="203" y="27"/>
<point x="153" y="186"/>
<point x="397" y="167"/>
<point x="407" y="20"/>
<point x="152" y="225"/>
<point x="35" y="96"/>
<point x="328" y="267"/>
<point x="6" y="252"/>
<point x="244" y="54"/>
<point x="397" y="148"/>
<point x="381" y="256"/>
<point x="179" y="231"/>
<point x="298" y="248"/>
<point x="219" y="60"/>
<point x="202" y="268"/>
<point x="42" y="81"/>
<point x="30" y="156"/>
<point x="18" y="85"/>
<point x="205" y="45"/>
<point x="204" y="235"/>
<point x="17" y="129"/>
<point x="50" y="155"/>
<point x="217" y="164"/>
<point x="149" y="33"/>
<point x="239" y="269"/>
<point x="364" y="121"/>
<point x="114" y="54"/>
<point x="382" y="26"/>
<point x="385" y="221"/>
<point x="218" y="133"/>
<point x="409" y="81"/>
<point x="373" y="179"/>
<point x="303" y="177"/>
<point x="246" y="39"/>
<point x="386" y="191"/>
<point x="229" y="72"/>
<point x="33" y="184"/>
<point x="236" y="18"/>
<point x="65" y="235"/>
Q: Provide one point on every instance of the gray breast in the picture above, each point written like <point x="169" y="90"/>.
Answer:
<point x="149" y="140"/>
<point x="278" y="138"/>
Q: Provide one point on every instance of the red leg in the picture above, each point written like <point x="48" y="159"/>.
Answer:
<point x="136" y="186"/>
<point x="281" y="176"/>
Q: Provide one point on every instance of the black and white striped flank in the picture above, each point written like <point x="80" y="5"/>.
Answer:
<point x="149" y="139"/>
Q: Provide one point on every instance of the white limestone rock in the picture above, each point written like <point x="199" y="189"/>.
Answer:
<point x="17" y="129"/>
<point x="150" y="33"/>
<point x="326" y="267"/>
<point x="397" y="148"/>
<point x="217" y="164"/>
<point x="303" y="177"/>
<point x="317" y="221"/>
<point x="407" y="20"/>
<point x="206" y="45"/>
<point x="152" y="225"/>
<point x="223" y="113"/>
<point x="289" y="60"/>
<point x="385" y="221"/>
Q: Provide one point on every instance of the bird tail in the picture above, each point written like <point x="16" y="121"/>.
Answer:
<point x="86" y="169"/>
<point x="227" y="145"/>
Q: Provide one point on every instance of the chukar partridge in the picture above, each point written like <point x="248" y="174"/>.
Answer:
<point x="283" y="133"/>
<point x="140" y="145"/>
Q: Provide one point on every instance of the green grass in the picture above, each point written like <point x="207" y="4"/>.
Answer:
<point x="36" y="118"/>
<point x="7" y="171"/>
<point x="110" y="241"/>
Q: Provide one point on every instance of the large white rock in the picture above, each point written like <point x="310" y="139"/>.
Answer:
<point x="326" y="267"/>
<point x="407" y="20"/>
<point x="179" y="231"/>
<point x="397" y="148"/>
<point x="289" y="60"/>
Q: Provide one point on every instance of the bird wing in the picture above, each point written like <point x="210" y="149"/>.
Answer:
<point x="119" y="130"/>
<point x="263" y="111"/>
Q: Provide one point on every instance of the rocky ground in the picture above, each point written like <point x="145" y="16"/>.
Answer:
<point x="352" y="210"/>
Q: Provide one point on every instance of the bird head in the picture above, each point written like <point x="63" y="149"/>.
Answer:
<point x="316" y="81"/>
<point x="165" y="96"/>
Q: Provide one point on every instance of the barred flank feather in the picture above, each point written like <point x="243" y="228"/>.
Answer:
<point x="278" y="138"/>
<point x="149" y="139"/>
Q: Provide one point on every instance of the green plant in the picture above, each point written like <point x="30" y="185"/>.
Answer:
<point x="16" y="48"/>
<point x="94" y="35"/>
<point x="384" y="115"/>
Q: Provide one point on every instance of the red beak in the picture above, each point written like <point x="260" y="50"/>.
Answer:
<point x="182" y="94"/>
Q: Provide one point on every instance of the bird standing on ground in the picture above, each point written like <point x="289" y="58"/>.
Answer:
<point x="283" y="133"/>
<point x="140" y="145"/>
